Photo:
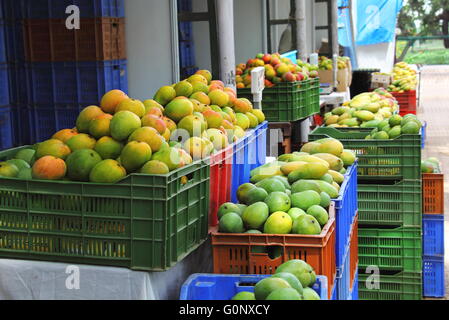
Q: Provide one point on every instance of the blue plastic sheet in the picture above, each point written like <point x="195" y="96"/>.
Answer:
<point x="376" y="21"/>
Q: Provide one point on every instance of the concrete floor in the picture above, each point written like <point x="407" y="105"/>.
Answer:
<point x="434" y="108"/>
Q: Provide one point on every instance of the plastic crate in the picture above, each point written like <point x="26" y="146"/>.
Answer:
<point x="423" y="135"/>
<point x="187" y="54"/>
<point x="314" y="106"/>
<point x="393" y="287"/>
<point x="51" y="9"/>
<point x="397" y="204"/>
<point x="355" y="288"/>
<point x="143" y="222"/>
<point x="343" y="278"/>
<point x="292" y="55"/>
<point x="249" y="153"/>
<point x="354" y="252"/>
<point x="74" y="82"/>
<point x="2" y="40"/>
<point x="23" y="125"/>
<point x="44" y="122"/>
<point x="283" y="102"/>
<point x="185" y="31"/>
<point x="433" y="235"/>
<point x="18" y="84"/>
<point x="185" y="5"/>
<point x="204" y="286"/>
<point x="345" y="212"/>
<point x="6" y="128"/>
<point x="348" y="268"/>
<point x="233" y="254"/>
<point x="394" y="159"/>
<point x="258" y="153"/>
<point x="220" y="181"/>
<point x="406" y="101"/>
<point x="433" y="193"/>
<point x="97" y="39"/>
<point x="14" y="40"/>
<point x="433" y="277"/>
<point x="4" y="84"/>
<point x="398" y="249"/>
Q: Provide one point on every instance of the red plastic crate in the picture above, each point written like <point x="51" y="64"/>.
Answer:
<point x="220" y="181"/>
<point x="318" y="120"/>
<point x="406" y="101"/>
<point x="433" y="193"/>
<point x="354" y="251"/>
<point x="233" y="254"/>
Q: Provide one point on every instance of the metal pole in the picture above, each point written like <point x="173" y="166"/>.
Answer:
<point x="334" y="35"/>
<point x="225" y="32"/>
<point x="174" y="40"/>
<point x="352" y="28"/>
<point x="301" y="26"/>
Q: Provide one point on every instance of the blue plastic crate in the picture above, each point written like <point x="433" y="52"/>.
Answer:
<point x="14" y="41"/>
<point x="2" y="40"/>
<point x="18" y="84"/>
<point x="4" y="84"/>
<point x="204" y="286"/>
<point x="185" y="5"/>
<point x="345" y="212"/>
<point x="6" y="128"/>
<point x="260" y="156"/>
<point x="185" y="31"/>
<point x="74" y="82"/>
<point x="342" y="280"/>
<point x="433" y="235"/>
<point x="249" y="153"/>
<point x="187" y="54"/>
<point x="42" y="123"/>
<point x="423" y="135"/>
<point x="433" y="277"/>
<point x="292" y="55"/>
<point x="24" y="125"/>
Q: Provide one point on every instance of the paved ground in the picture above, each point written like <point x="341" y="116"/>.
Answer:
<point x="434" y="108"/>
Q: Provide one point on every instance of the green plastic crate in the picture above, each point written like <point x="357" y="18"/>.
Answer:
<point x="398" y="204"/>
<point x="314" y="97"/>
<point x="398" y="249"/>
<point x="400" y="286"/>
<point x="144" y="222"/>
<point x="395" y="159"/>
<point x="284" y="102"/>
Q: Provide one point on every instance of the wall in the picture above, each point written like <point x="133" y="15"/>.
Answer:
<point x="148" y="37"/>
<point x="201" y="37"/>
<point x="249" y="29"/>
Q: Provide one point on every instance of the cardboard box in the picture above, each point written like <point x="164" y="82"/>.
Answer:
<point x="380" y="80"/>
<point x="326" y="76"/>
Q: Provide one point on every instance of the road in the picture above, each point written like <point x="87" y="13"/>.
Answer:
<point x="434" y="108"/>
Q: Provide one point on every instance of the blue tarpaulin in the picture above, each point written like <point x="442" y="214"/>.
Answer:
<point x="376" y="21"/>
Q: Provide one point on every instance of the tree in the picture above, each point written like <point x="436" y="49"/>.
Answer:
<point x="424" y="18"/>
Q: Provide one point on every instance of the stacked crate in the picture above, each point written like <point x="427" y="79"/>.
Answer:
<point x="186" y="43"/>
<point x="6" y="133"/>
<point x="56" y="69"/>
<point x="389" y="204"/>
<point x="433" y="235"/>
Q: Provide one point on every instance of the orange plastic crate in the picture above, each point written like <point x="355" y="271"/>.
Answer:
<point x="354" y="250"/>
<point x="232" y="252"/>
<point x="220" y="181"/>
<point x="433" y="193"/>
